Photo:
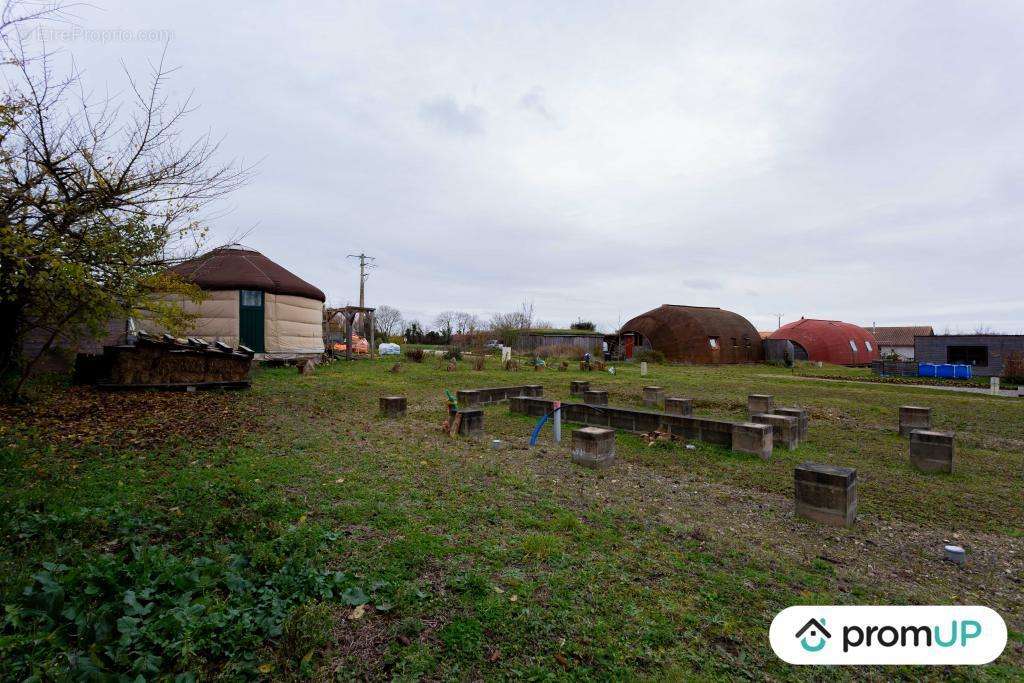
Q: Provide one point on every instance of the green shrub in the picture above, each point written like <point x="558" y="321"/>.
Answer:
<point x="453" y="353"/>
<point x="649" y="356"/>
<point x="415" y="355"/>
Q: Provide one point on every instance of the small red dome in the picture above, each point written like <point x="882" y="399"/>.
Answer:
<point x="829" y="341"/>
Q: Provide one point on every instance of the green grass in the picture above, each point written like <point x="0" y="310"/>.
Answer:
<point x="250" y="549"/>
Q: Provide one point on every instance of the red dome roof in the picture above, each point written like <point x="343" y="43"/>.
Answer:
<point x="830" y="341"/>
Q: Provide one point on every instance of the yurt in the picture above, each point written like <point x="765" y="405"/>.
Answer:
<point x="829" y="341"/>
<point x="254" y="302"/>
<point x="693" y="334"/>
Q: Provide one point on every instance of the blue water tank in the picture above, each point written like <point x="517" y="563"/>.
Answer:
<point x="945" y="370"/>
<point x="961" y="371"/>
<point x="926" y="370"/>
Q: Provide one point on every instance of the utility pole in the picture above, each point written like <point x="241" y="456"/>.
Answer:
<point x="779" y="316"/>
<point x="364" y="265"/>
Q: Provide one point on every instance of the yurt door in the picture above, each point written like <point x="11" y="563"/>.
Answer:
<point x="250" y="319"/>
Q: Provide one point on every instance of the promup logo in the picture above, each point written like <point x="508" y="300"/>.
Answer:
<point x="888" y="635"/>
<point x="817" y="630"/>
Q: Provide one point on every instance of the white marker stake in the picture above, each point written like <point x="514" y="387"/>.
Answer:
<point x="558" y="422"/>
<point x="643" y="368"/>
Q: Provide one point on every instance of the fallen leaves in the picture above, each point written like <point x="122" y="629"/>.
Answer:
<point x="80" y="416"/>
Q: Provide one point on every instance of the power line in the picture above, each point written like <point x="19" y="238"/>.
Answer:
<point x="365" y="263"/>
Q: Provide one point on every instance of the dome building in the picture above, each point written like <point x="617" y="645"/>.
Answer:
<point x="254" y="302"/>
<point x="693" y="334"/>
<point x="829" y="341"/>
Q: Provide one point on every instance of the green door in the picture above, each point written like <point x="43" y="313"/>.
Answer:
<point x="250" y="319"/>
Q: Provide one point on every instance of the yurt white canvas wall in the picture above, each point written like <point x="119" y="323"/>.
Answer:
<point x="253" y="301"/>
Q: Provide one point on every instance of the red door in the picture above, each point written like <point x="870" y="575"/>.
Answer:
<point x="629" y="346"/>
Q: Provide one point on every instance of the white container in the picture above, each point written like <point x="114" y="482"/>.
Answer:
<point x="955" y="554"/>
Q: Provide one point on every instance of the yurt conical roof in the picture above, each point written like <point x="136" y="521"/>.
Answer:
<point x="235" y="267"/>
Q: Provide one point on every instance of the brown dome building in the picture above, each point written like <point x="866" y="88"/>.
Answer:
<point x="693" y="334"/>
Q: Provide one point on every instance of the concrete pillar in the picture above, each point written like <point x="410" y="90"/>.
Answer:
<point x="932" y="451"/>
<point x="826" y="493"/>
<point x="578" y="386"/>
<point x="678" y="406"/>
<point x="392" y="406"/>
<point x="643" y="368"/>
<point x="595" y="398"/>
<point x="802" y="415"/>
<point x="593" y="447"/>
<point x="749" y="437"/>
<point x="653" y="396"/>
<point x="472" y="423"/>
<point x="760" y="403"/>
<point x="914" y="417"/>
<point x="785" y="429"/>
<point x="468" y="398"/>
<point x="993" y="384"/>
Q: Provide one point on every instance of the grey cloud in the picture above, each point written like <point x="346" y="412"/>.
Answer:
<point x="716" y="157"/>
<point x="445" y="113"/>
<point x="534" y="101"/>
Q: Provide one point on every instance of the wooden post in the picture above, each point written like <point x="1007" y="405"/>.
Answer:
<point x="371" y="335"/>
<point x="348" y="335"/>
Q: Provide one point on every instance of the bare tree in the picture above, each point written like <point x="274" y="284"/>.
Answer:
<point x="466" y="323"/>
<point x="97" y="199"/>
<point x="388" y="321"/>
<point x="445" y="323"/>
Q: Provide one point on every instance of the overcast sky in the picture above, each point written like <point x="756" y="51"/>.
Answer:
<point x="861" y="161"/>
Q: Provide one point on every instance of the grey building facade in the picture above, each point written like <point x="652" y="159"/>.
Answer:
<point x="986" y="353"/>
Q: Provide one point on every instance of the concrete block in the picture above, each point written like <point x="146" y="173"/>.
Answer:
<point x="993" y="385"/>
<point x="679" y="406"/>
<point x="472" y="422"/>
<point x="528" y="405"/>
<point x="593" y="447"/>
<point x="802" y="415"/>
<point x="621" y="419"/>
<point x="785" y="429"/>
<point x="595" y="398"/>
<point x="914" y="417"/>
<point x="392" y="406"/>
<point x="469" y="398"/>
<point x="646" y="421"/>
<point x="654" y="396"/>
<point x="750" y="437"/>
<point x="760" y="403"/>
<point x="718" y="432"/>
<point x="826" y="493"/>
<point x="683" y="427"/>
<point x="932" y="451"/>
<point x="578" y="386"/>
<point x="535" y="390"/>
